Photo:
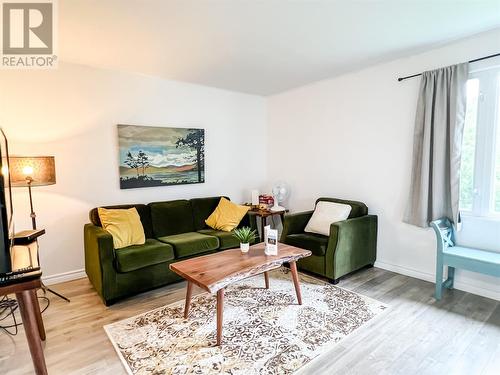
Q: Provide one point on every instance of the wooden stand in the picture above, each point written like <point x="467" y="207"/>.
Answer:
<point x="32" y="319"/>
<point x="264" y="214"/>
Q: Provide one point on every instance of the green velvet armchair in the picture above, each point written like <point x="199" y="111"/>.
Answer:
<point x="351" y="245"/>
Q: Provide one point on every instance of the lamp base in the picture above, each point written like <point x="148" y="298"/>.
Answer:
<point x="46" y="289"/>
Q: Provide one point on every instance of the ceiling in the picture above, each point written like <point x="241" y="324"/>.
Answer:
<point x="260" y="47"/>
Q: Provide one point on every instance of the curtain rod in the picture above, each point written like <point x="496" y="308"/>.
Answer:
<point x="471" y="61"/>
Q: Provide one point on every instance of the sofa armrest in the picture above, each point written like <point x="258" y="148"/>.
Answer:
<point x="99" y="258"/>
<point x="352" y="245"/>
<point x="295" y="223"/>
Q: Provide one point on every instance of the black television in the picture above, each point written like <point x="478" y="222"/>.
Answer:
<point x="6" y="213"/>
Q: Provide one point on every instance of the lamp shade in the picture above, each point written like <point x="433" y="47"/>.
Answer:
<point x="40" y="170"/>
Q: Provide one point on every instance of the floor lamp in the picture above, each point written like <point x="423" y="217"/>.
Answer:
<point x="31" y="171"/>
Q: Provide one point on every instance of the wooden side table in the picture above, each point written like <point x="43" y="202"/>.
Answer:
<point x="264" y="214"/>
<point x="29" y="308"/>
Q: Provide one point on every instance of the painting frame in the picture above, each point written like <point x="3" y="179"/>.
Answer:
<point x="152" y="156"/>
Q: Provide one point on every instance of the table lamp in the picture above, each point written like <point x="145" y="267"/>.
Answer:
<point x="30" y="171"/>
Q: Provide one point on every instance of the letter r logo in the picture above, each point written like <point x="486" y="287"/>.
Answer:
<point x="27" y="28"/>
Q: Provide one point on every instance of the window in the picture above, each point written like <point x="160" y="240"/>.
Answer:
<point x="480" y="169"/>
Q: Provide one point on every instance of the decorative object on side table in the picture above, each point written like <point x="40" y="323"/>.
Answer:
<point x="281" y="191"/>
<point x="158" y="156"/>
<point x="265" y="201"/>
<point x="29" y="171"/>
<point x="245" y="235"/>
<point x="255" y="198"/>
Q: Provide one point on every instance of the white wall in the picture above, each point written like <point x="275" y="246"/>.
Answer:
<point x="347" y="137"/>
<point x="72" y="113"/>
<point x="351" y="137"/>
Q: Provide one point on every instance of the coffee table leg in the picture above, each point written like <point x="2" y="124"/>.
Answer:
<point x="266" y="278"/>
<point x="189" y="291"/>
<point x="220" y="310"/>
<point x="295" y="276"/>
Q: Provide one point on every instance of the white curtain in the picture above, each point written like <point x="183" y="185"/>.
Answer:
<point x="439" y="124"/>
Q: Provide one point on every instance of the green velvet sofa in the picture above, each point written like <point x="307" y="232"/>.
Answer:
<point x="351" y="245"/>
<point x="174" y="230"/>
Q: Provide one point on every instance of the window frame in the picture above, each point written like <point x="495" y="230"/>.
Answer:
<point x="488" y="112"/>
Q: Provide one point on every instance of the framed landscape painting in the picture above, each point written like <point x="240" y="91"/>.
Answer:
<point x="158" y="156"/>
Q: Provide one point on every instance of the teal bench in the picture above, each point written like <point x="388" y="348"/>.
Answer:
<point x="476" y="260"/>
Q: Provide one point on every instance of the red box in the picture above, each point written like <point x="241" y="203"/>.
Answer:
<point x="266" y="199"/>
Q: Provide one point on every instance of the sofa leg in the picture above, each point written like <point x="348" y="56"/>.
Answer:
<point x="334" y="281"/>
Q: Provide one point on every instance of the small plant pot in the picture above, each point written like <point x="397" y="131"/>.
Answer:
<point x="244" y="247"/>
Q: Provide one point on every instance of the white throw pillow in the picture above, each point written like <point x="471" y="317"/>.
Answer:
<point x="325" y="214"/>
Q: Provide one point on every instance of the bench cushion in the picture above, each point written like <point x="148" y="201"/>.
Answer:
<point x="134" y="257"/>
<point x="190" y="243"/>
<point x="317" y="243"/>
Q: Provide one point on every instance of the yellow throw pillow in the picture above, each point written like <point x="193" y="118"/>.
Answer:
<point x="124" y="225"/>
<point x="226" y="216"/>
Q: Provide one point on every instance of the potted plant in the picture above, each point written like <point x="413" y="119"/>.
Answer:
<point x="245" y="235"/>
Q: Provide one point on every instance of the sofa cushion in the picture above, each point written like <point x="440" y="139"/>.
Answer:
<point x="124" y="225"/>
<point x="227" y="215"/>
<point x="226" y="239"/>
<point x="325" y="214"/>
<point x="139" y="256"/>
<point x="358" y="208"/>
<point x="172" y="217"/>
<point x="190" y="243"/>
<point x="142" y="209"/>
<point x="202" y="208"/>
<point x="317" y="243"/>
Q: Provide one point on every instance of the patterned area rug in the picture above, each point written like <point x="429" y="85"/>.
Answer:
<point x="264" y="331"/>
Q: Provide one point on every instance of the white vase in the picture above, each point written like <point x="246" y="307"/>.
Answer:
<point x="244" y="247"/>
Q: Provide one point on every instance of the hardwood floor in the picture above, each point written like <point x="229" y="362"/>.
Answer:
<point x="458" y="335"/>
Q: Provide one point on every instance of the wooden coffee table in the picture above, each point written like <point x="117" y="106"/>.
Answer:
<point x="216" y="271"/>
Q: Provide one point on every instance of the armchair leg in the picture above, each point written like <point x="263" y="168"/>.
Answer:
<point x="334" y="281"/>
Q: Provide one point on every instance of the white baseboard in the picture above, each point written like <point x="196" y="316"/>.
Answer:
<point x="65" y="276"/>
<point x="460" y="285"/>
